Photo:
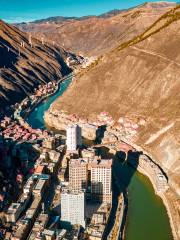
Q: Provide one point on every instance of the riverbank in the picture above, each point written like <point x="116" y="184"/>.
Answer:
<point x="169" y="197"/>
<point x="55" y="120"/>
<point x="166" y="202"/>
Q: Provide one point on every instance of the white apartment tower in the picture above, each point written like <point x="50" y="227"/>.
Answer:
<point x="73" y="207"/>
<point x="101" y="177"/>
<point x="74" y="138"/>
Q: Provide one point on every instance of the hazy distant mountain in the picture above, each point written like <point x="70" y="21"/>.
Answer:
<point x="94" y="35"/>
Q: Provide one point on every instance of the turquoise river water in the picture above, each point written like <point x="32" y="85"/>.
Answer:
<point x="147" y="218"/>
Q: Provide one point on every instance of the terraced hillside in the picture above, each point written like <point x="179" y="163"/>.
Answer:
<point x="25" y="62"/>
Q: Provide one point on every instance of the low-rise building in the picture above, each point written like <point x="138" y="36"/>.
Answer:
<point x="39" y="169"/>
<point x="61" y="174"/>
<point x="48" y="234"/>
<point x="159" y="179"/>
<point x="14" y="212"/>
<point x="52" y="168"/>
<point x="21" y="232"/>
<point x="54" y="156"/>
<point x="33" y="210"/>
<point x="49" y="143"/>
<point x="61" y="234"/>
<point x="15" y="209"/>
<point x="40" y="187"/>
<point x="95" y="232"/>
<point x="88" y="153"/>
<point x="39" y="225"/>
<point x="28" y="186"/>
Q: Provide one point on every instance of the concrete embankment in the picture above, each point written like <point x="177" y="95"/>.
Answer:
<point x="169" y="197"/>
<point x="163" y="195"/>
<point x="117" y="230"/>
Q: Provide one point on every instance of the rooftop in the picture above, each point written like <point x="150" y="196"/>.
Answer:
<point x="107" y="163"/>
<point x="73" y="192"/>
<point x="78" y="161"/>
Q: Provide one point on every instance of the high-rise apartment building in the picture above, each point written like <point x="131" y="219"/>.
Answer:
<point x="78" y="174"/>
<point x="101" y="177"/>
<point x="73" y="207"/>
<point x="74" y="138"/>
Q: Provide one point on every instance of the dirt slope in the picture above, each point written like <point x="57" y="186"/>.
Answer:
<point x="92" y="36"/>
<point x="138" y="79"/>
<point x="22" y="66"/>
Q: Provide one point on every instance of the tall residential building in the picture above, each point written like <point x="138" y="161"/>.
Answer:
<point x="73" y="207"/>
<point x="78" y="174"/>
<point x="74" y="138"/>
<point x="101" y="177"/>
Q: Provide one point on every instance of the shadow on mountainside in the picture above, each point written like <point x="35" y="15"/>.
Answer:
<point x="8" y="55"/>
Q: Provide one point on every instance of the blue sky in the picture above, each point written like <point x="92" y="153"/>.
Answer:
<point x="29" y="10"/>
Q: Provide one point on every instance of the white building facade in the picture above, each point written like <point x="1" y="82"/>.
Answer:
<point x="74" y="138"/>
<point x="73" y="207"/>
<point x="101" y="178"/>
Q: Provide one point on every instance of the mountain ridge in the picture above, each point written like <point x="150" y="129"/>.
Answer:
<point x="25" y="63"/>
<point x="83" y="37"/>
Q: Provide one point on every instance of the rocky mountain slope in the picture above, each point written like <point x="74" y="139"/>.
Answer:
<point x="139" y="79"/>
<point x="25" y="62"/>
<point x="95" y="35"/>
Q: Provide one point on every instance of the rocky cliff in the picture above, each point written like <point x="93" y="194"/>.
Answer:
<point x="94" y="35"/>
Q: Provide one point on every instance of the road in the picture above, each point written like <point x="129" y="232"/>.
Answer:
<point x="156" y="55"/>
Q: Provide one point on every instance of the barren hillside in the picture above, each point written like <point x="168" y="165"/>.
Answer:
<point x="25" y="63"/>
<point x="93" y="35"/>
<point x="140" y="79"/>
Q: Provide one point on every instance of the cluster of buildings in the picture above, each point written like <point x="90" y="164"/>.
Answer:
<point x="88" y="130"/>
<point x="45" y="89"/>
<point x="15" y="127"/>
<point x="87" y="61"/>
<point x="16" y="161"/>
<point x="96" y="227"/>
<point x="80" y="178"/>
<point x="26" y="217"/>
<point x="22" y="215"/>
<point x="154" y="172"/>
<point x="12" y="129"/>
<point x="145" y="165"/>
<point x="89" y="180"/>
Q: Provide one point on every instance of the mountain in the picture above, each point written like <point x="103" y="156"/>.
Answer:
<point x="139" y="79"/>
<point x="25" y="62"/>
<point x="95" y="35"/>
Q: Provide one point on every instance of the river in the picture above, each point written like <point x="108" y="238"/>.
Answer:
<point x="147" y="217"/>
